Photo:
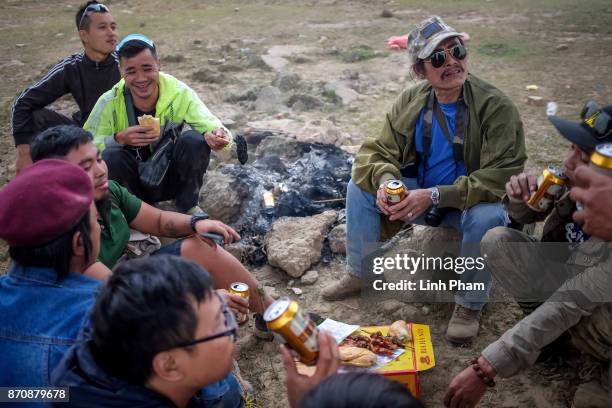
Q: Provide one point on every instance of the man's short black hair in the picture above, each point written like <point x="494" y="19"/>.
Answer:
<point x="58" y="141"/>
<point x="82" y="23"/>
<point x="57" y="253"/>
<point x="363" y="390"/>
<point x="146" y="307"/>
<point x="134" y="47"/>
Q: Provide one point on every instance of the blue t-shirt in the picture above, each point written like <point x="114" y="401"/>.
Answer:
<point x="440" y="164"/>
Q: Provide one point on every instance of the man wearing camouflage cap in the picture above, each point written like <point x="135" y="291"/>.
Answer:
<point x="454" y="140"/>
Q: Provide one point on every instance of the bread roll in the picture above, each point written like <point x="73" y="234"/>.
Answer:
<point x="357" y="356"/>
<point x="400" y="330"/>
<point x="150" y="121"/>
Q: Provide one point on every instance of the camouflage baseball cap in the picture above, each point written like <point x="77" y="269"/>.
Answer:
<point x="424" y="39"/>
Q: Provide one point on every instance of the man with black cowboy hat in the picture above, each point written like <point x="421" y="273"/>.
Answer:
<point x="135" y="150"/>
<point x="85" y="76"/>
<point x="454" y="140"/>
<point x="563" y="283"/>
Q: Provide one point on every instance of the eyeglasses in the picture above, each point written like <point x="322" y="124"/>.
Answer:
<point x="93" y="8"/>
<point x="230" y="325"/>
<point x="437" y="58"/>
<point x="596" y="119"/>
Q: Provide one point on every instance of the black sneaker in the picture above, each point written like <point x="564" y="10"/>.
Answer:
<point x="260" y="329"/>
<point x="241" y="149"/>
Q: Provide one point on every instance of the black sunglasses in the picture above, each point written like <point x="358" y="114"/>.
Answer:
<point x="438" y="57"/>
<point x="230" y="325"/>
<point x="596" y="119"/>
<point x="93" y="8"/>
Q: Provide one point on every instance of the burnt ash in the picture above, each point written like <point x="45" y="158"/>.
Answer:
<point x="302" y="184"/>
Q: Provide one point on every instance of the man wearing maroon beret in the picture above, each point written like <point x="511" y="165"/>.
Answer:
<point x="48" y="219"/>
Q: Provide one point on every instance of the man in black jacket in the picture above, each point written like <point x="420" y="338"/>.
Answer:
<point x="85" y="76"/>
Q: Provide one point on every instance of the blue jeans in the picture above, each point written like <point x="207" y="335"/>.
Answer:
<point x="363" y="230"/>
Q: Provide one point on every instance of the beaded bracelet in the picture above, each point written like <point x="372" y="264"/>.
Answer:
<point x="489" y="382"/>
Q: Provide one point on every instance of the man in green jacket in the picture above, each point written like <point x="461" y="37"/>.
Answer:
<point x="454" y="140"/>
<point x="126" y="145"/>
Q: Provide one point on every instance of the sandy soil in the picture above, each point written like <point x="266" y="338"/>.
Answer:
<point x="558" y="45"/>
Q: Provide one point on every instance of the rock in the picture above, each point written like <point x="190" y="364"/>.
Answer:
<point x="287" y="81"/>
<point x="300" y="59"/>
<point x="359" y="53"/>
<point x="230" y="68"/>
<point x="281" y="146"/>
<point x="310" y="277"/>
<point x="248" y="95"/>
<point x="408" y="313"/>
<point x="426" y="310"/>
<point x="390" y="306"/>
<point x="221" y="196"/>
<point x="297" y="291"/>
<point x="294" y="244"/>
<point x="174" y="58"/>
<point x="275" y="62"/>
<point x="386" y="13"/>
<point x="562" y="47"/>
<point x="307" y="102"/>
<point x="271" y="291"/>
<point x="256" y="61"/>
<point x="344" y="94"/>
<point x="535" y="100"/>
<point x="268" y="99"/>
<point x="197" y="42"/>
<point x="351" y="149"/>
<point x="208" y="75"/>
<point x="337" y="239"/>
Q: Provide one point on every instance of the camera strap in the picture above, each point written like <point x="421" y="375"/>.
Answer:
<point x="433" y="108"/>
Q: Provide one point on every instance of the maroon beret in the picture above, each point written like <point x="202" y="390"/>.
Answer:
<point x="44" y="201"/>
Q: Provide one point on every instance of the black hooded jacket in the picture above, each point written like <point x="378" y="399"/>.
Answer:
<point x="84" y="79"/>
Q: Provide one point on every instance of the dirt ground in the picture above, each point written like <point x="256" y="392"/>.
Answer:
<point x="560" y="45"/>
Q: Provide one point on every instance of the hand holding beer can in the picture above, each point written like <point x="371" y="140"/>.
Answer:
<point x="242" y="290"/>
<point x="292" y="326"/>
<point x="395" y="191"/>
<point x="550" y="184"/>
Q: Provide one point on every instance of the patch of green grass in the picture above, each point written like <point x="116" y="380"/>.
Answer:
<point x="358" y="53"/>
<point x="497" y="49"/>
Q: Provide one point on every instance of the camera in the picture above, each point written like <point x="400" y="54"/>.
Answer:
<point x="435" y="216"/>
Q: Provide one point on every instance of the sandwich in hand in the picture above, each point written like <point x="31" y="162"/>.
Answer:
<point x="150" y="121"/>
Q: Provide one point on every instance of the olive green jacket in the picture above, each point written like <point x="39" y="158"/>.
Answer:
<point x="494" y="145"/>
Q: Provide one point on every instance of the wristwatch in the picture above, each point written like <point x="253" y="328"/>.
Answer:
<point x="198" y="215"/>
<point x="435" y="195"/>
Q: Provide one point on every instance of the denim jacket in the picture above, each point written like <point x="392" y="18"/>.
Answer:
<point x="40" y="319"/>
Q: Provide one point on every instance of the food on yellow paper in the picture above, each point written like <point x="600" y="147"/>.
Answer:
<point x="400" y="330"/>
<point x="357" y="356"/>
<point x="150" y="121"/>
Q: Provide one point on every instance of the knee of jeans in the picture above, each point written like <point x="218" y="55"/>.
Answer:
<point x="483" y="217"/>
<point x="192" y="139"/>
<point x="355" y="193"/>
<point x="113" y="155"/>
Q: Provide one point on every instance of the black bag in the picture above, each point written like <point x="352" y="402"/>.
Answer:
<point x="154" y="171"/>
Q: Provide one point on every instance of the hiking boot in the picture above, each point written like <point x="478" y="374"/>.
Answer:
<point x="348" y="285"/>
<point x="463" y="325"/>
<point x="260" y="329"/>
<point x="590" y="395"/>
<point x="241" y="149"/>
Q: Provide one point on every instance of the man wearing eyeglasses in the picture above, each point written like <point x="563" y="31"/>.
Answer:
<point x="160" y="336"/>
<point x="454" y="140"/>
<point x="563" y="283"/>
<point x="85" y="76"/>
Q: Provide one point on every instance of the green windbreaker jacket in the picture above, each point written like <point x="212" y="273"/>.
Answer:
<point x="494" y="145"/>
<point x="176" y="102"/>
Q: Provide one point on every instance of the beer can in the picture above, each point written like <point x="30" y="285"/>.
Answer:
<point x="292" y="326"/>
<point x="395" y="191"/>
<point x="242" y="290"/>
<point x="550" y="184"/>
<point x="601" y="159"/>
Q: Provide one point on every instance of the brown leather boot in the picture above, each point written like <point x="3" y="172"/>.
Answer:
<point x="348" y="285"/>
<point x="463" y="325"/>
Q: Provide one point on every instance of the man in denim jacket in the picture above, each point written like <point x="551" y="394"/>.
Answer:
<point x="48" y="218"/>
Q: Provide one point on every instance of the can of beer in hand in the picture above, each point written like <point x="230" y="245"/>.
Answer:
<point x="395" y="191"/>
<point x="601" y="159"/>
<point x="550" y="184"/>
<point x="242" y="290"/>
<point x="291" y="325"/>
